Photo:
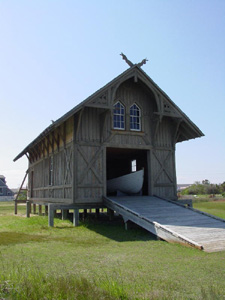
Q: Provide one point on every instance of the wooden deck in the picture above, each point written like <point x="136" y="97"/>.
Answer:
<point x="172" y="222"/>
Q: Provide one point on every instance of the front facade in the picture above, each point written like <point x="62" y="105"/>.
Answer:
<point x="127" y="125"/>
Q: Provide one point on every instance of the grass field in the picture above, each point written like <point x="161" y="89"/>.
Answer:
<point x="216" y="208"/>
<point x="100" y="260"/>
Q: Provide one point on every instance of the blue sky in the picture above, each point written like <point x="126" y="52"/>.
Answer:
<point x="54" y="54"/>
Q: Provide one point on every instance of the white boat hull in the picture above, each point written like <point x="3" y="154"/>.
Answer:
<point x="129" y="184"/>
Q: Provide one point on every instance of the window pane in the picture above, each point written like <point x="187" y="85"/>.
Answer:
<point x="135" y="117"/>
<point x="119" y="116"/>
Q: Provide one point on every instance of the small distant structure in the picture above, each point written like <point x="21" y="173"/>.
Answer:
<point x="4" y="190"/>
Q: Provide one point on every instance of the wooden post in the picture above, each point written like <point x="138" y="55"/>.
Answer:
<point x="15" y="208"/>
<point x="50" y="215"/>
<point x="28" y="209"/>
<point x="150" y="172"/>
<point x="76" y="217"/>
<point x="97" y="213"/>
<point x="46" y="210"/>
<point x="110" y="213"/>
<point x="40" y="210"/>
<point x="34" y="208"/>
<point x="64" y="214"/>
<point x="127" y="225"/>
<point x="84" y="214"/>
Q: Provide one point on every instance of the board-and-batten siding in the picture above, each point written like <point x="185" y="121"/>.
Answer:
<point x="60" y="149"/>
<point x="160" y="139"/>
<point x="79" y="159"/>
<point x="128" y="94"/>
<point x="61" y="188"/>
<point x="90" y="182"/>
<point x="89" y="130"/>
<point x="163" y="160"/>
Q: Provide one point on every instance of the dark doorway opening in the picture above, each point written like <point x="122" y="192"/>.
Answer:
<point x="121" y="161"/>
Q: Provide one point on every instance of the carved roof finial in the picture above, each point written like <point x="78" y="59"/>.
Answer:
<point x="130" y="63"/>
<point x="142" y="62"/>
<point x="126" y="60"/>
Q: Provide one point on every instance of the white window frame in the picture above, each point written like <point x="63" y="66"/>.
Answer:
<point x="134" y="165"/>
<point x="118" y="115"/>
<point x="133" y="116"/>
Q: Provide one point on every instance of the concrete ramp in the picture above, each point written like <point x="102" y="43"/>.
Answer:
<point x="171" y="221"/>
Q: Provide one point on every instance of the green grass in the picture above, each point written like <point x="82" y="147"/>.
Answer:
<point x="215" y="208"/>
<point x="100" y="260"/>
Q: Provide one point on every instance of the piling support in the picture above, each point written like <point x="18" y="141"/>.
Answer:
<point x="110" y="213"/>
<point x="28" y="209"/>
<point x="50" y="215"/>
<point x="39" y="209"/>
<point x="15" y="208"/>
<point x="64" y="214"/>
<point x="127" y="225"/>
<point x="34" y="208"/>
<point x="46" y="210"/>
<point x="76" y="217"/>
<point x="84" y="214"/>
<point x="97" y="213"/>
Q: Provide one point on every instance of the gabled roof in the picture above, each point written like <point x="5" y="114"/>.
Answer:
<point x="98" y="99"/>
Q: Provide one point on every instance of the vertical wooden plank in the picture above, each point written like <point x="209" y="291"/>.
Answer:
<point x="104" y="172"/>
<point x="75" y="174"/>
<point x="76" y="217"/>
<point x="174" y="175"/>
<point x="50" y="215"/>
<point x="150" y="173"/>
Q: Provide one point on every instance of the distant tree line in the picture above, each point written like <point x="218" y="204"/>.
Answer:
<point x="204" y="188"/>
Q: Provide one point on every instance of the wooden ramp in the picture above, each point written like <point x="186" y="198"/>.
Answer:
<point x="171" y="221"/>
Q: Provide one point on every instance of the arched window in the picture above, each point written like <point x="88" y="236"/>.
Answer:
<point x="135" y="118"/>
<point x="118" y="116"/>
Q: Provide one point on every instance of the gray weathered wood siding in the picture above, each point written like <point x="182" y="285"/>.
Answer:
<point x="79" y="154"/>
<point x="84" y="145"/>
<point x="90" y="174"/>
<point x="91" y="177"/>
<point x="60" y="151"/>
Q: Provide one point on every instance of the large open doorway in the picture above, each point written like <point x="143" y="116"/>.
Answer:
<point x="121" y="161"/>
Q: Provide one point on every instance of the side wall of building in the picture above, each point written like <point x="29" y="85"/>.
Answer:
<point x="51" y="167"/>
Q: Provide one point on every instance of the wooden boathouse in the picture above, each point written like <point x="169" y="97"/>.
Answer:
<point x="130" y="121"/>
